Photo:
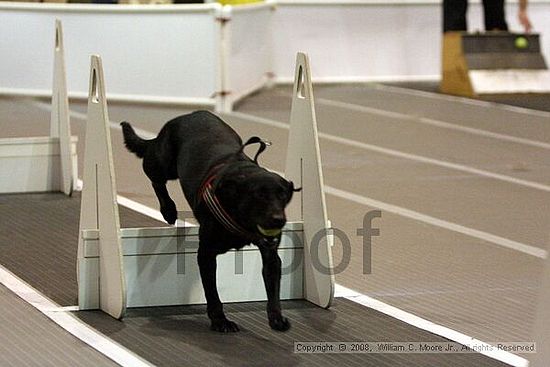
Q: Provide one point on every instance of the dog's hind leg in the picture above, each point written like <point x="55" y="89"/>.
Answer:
<point x="167" y="205"/>
<point x="271" y="273"/>
<point x="207" y="265"/>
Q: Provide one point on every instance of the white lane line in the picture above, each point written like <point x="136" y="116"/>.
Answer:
<point x="143" y="209"/>
<point x="400" y="154"/>
<point x="138" y="207"/>
<point x="488" y="237"/>
<point x="70" y="323"/>
<point x="411" y="214"/>
<point x="432" y="122"/>
<point x="431" y="327"/>
<point x="63" y="309"/>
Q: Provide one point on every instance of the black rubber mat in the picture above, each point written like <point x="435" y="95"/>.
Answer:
<point x="38" y="243"/>
<point x="39" y="240"/>
<point x="44" y="343"/>
<point x="179" y="336"/>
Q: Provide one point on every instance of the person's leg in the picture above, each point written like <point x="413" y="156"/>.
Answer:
<point x="454" y="15"/>
<point x="494" y="14"/>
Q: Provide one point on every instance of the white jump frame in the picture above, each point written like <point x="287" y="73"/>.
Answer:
<point x="135" y="267"/>
<point x="47" y="163"/>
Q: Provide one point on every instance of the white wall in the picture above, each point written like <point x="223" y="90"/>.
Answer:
<point x="249" y="49"/>
<point x="376" y="40"/>
<point x="149" y="52"/>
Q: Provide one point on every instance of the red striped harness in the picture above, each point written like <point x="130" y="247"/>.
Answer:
<point x="206" y="193"/>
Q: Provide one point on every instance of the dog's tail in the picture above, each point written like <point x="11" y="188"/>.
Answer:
<point x="133" y="142"/>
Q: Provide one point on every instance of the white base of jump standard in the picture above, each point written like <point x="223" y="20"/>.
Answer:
<point x="33" y="164"/>
<point x="160" y="268"/>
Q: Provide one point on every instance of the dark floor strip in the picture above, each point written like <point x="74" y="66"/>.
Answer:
<point x="28" y="338"/>
<point x="533" y="101"/>
<point x="39" y="239"/>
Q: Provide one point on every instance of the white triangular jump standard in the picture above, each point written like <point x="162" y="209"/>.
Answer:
<point x="48" y="163"/>
<point x="136" y="267"/>
<point x="99" y="208"/>
<point x="60" y="126"/>
<point x="303" y="167"/>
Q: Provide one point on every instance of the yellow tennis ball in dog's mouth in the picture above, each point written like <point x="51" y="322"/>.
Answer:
<point x="521" y="42"/>
<point x="269" y="232"/>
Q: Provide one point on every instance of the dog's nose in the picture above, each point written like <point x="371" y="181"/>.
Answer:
<point x="277" y="221"/>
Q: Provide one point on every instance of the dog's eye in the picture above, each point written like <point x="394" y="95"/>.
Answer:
<point x="262" y="194"/>
<point x="281" y="194"/>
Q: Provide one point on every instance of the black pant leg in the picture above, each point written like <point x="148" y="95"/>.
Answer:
<point x="494" y="14"/>
<point x="454" y="15"/>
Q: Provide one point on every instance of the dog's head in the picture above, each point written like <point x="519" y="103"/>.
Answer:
<point x="258" y="201"/>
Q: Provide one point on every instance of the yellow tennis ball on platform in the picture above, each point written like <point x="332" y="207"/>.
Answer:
<point x="521" y="42"/>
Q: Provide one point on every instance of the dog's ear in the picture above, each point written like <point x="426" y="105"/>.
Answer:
<point x="292" y="190"/>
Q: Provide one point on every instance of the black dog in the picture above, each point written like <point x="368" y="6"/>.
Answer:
<point x="235" y="201"/>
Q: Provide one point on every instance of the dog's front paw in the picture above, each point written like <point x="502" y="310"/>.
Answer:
<point x="169" y="213"/>
<point x="224" y="326"/>
<point x="279" y="323"/>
